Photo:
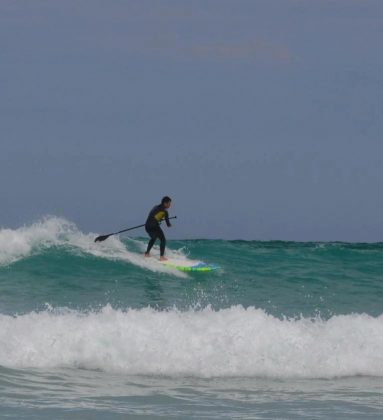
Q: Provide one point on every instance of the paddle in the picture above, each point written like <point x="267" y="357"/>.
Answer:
<point x="103" y="237"/>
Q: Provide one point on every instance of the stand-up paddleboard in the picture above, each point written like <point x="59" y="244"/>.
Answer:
<point x="188" y="265"/>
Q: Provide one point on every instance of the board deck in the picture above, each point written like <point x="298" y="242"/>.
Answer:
<point x="189" y="265"/>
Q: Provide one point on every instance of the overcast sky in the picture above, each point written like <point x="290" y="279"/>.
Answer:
<point x="261" y="119"/>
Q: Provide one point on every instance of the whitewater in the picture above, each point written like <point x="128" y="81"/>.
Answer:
<point x="95" y="329"/>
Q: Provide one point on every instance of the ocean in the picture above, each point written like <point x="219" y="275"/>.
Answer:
<point x="95" y="331"/>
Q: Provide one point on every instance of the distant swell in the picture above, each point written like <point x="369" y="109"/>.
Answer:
<point x="206" y="343"/>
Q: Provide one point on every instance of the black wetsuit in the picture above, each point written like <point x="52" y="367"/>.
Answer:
<point x="152" y="226"/>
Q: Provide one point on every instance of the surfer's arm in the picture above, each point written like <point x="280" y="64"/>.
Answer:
<point x="167" y="219"/>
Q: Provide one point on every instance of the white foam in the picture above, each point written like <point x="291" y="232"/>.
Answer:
<point x="19" y="243"/>
<point x="53" y="231"/>
<point x="207" y="343"/>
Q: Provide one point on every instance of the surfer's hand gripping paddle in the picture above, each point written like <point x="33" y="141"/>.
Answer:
<point x="103" y="237"/>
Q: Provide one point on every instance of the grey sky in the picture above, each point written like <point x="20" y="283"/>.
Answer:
<point x="261" y="119"/>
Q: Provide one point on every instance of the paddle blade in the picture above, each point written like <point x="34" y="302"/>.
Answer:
<point x="101" y="238"/>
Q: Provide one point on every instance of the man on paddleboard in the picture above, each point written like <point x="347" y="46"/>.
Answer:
<point x="152" y="226"/>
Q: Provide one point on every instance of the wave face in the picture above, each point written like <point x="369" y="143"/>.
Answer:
<point x="274" y="309"/>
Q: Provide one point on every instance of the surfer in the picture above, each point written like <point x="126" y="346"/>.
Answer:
<point x="152" y="226"/>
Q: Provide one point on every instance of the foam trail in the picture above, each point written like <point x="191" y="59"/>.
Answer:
<point x="53" y="231"/>
<point x="229" y="342"/>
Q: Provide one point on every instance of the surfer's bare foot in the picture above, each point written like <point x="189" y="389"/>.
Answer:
<point x="147" y="255"/>
<point x="163" y="259"/>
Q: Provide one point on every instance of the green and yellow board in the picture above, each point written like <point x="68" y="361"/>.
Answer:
<point x="188" y="265"/>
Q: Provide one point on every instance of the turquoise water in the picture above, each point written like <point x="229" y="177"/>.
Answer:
<point x="281" y="330"/>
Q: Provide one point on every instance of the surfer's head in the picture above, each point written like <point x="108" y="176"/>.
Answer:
<point x="166" y="202"/>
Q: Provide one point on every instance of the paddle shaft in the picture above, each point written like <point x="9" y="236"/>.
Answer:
<point x="103" y="237"/>
<point x="136" y="227"/>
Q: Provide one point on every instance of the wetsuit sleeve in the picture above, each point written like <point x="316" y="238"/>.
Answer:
<point x="167" y="219"/>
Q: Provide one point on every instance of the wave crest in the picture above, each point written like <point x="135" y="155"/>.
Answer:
<point x="54" y="231"/>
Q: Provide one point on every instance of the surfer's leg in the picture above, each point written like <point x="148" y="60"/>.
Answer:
<point x="153" y="237"/>
<point x="163" y="242"/>
<point x="150" y="246"/>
